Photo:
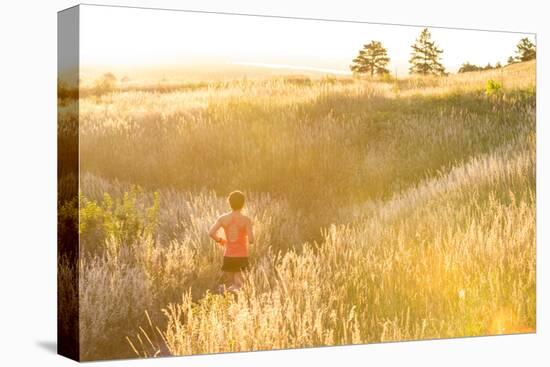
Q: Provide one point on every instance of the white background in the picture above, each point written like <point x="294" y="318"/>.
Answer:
<point x="28" y="183"/>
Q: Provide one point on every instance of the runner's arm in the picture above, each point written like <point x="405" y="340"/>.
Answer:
<point x="213" y="232"/>
<point x="250" y="231"/>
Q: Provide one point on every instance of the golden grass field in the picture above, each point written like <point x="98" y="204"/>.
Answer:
<point x="384" y="211"/>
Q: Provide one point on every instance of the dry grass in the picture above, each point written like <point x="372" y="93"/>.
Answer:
<point x="384" y="211"/>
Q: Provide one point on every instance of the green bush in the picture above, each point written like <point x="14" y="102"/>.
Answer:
<point x="492" y="87"/>
<point x="122" y="219"/>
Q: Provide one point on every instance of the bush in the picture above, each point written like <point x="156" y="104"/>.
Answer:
<point x="105" y="84"/>
<point x="123" y="220"/>
<point x="492" y="87"/>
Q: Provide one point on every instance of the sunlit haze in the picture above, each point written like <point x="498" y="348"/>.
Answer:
<point x="126" y="38"/>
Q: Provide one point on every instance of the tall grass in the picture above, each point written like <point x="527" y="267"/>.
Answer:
<point x="382" y="213"/>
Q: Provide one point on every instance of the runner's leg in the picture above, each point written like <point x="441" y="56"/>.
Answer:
<point x="238" y="280"/>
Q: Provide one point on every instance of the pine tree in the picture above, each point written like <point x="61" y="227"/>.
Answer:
<point x="525" y="50"/>
<point x="372" y="59"/>
<point x="425" y="57"/>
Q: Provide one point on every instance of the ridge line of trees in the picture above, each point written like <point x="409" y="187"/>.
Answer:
<point x="425" y="58"/>
<point x="467" y="67"/>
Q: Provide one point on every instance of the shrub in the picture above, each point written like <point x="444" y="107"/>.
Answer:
<point x="492" y="87"/>
<point x="105" y="84"/>
<point x="120" y="219"/>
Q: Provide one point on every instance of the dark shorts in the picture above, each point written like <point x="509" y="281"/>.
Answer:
<point x="234" y="264"/>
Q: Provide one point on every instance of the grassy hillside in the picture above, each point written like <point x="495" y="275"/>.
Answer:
<point x="384" y="211"/>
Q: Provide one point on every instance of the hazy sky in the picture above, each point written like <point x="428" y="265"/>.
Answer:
<point x="126" y="37"/>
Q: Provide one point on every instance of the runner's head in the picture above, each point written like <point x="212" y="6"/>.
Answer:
<point x="236" y="200"/>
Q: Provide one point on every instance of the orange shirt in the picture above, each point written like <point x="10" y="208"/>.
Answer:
<point x="237" y="239"/>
